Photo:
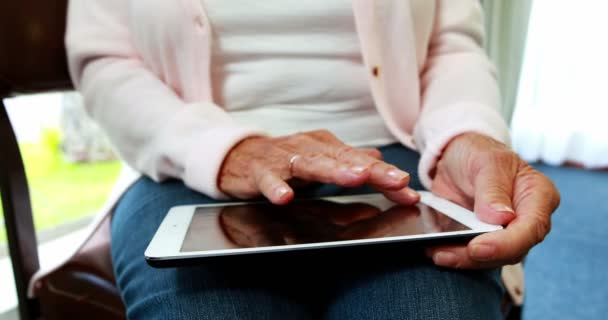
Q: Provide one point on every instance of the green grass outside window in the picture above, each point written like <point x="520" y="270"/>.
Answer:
<point x="62" y="191"/>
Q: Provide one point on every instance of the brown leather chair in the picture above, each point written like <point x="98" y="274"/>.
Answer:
<point x="32" y="60"/>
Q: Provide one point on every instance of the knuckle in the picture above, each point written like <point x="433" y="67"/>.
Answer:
<point x="553" y="193"/>
<point x="322" y="133"/>
<point x="296" y="163"/>
<point x="298" y="141"/>
<point x="344" y="151"/>
<point x="549" y="186"/>
<point x="541" y="229"/>
<point x="317" y="163"/>
<point x="555" y="196"/>
<point x="257" y="165"/>
<point x="300" y="137"/>
<point x="557" y="199"/>
<point x="375" y="153"/>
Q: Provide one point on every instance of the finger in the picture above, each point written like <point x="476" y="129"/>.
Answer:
<point x="387" y="177"/>
<point x="535" y="199"/>
<point x="372" y="152"/>
<point x="383" y="175"/>
<point x="349" y="161"/>
<point x="457" y="257"/>
<point x="392" y="182"/>
<point x="315" y="161"/>
<point x="494" y="189"/>
<point x="275" y="189"/>
<point x="321" y="168"/>
<point x="234" y="187"/>
<point x="489" y="250"/>
<point x="406" y="196"/>
<point x="327" y="137"/>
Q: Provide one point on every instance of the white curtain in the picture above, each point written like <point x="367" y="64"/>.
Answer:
<point x="561" y="112"/>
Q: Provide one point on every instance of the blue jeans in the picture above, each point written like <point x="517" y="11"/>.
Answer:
<point x="325" y="285"/>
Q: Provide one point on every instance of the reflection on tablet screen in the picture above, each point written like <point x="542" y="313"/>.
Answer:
<point x="261" y="225"/>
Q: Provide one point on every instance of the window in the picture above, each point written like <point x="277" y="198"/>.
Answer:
<point x="69" y="163"/>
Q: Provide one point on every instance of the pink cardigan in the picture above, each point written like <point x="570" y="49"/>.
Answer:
<point x="143" y="67"/>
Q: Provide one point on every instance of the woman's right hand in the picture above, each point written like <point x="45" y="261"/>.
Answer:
<point x="266" y="166"/>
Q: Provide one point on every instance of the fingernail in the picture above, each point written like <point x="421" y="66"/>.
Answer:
<point x="502" y="208"/>
<point x="483" y="252"/>
<point x="397" y="174"/>
<point x="281" y="192"/>
<point x="445" y="258"/>
<point x="505" y="210"/>
<point x="358" y="169"/>
<point x="411" y="193"/>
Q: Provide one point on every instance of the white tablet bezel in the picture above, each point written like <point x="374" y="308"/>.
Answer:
<point x="167" y="242"/>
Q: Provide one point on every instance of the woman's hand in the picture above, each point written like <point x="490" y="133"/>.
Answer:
<point x="481" y="173"/>
<point x="270" y="166"/>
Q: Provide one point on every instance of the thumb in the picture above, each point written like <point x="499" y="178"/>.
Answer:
<point x="494" y="191"/>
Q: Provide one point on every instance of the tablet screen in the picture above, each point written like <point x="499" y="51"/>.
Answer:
<point x="303" y="222"/>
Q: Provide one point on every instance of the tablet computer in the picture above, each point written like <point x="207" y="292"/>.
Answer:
<point x="190" y="233"/>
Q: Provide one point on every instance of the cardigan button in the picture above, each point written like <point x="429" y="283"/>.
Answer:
<point x="375" y="71"/>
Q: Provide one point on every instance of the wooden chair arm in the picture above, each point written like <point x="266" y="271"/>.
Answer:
<point x="18" y="218"/>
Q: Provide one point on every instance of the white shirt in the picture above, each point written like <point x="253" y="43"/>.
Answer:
<point x="288" y="66"/>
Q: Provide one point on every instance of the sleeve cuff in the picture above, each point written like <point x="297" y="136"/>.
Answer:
<point x="203" y="164"/>
<point x="436" y="129"/>
<point x="193" y="147"/>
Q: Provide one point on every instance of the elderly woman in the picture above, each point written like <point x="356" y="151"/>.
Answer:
<point x="213" y="99"/>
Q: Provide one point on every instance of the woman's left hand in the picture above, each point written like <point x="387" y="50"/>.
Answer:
<point x="480" y="173"/>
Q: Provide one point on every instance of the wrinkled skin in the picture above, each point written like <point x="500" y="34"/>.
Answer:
<point x="474" y="171"/>
<point x="484" y="175"/>
<point x="260" y="166"/>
